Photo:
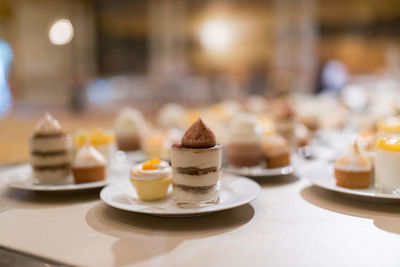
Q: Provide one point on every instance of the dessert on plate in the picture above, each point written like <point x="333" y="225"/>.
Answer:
<point x="276" y="151"/>
<point x="244" y="148"/>
<point x="102" y="140"/>
<point x="389" y="126"/>
<point x="171" y="115"/>
<point x="50" y="150"/>
<point x="89" y="165"/>
<point x="387" y="164"/>
<point x="157" y="144"/>
<point x="151" y="179"/>
<point x="353" y="169"/>
<point x="196" y="165"/>
<point x="129" y="127"/>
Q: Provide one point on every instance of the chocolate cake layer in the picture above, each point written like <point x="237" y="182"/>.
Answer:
<point x="51" y="167"/>
<point x="48" y="153"/>
<point x="195" y="171"/>
<point x="38" y="135"/>
<point x="195" y="189"/>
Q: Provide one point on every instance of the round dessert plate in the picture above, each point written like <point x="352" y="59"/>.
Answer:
<point x="235" y="191"/>
<point x="258" y="171"/>
<point x="20" y="177"/>
<point x="321" y="175"/>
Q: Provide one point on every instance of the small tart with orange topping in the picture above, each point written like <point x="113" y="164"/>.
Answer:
<point x="151" y="179"/>
<point x="353" y="169"/>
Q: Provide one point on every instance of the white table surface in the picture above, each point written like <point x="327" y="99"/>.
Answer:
<point x="291" y="223"/>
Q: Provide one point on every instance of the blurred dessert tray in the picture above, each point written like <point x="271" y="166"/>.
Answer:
<point x="20" y="177"/>
<point x="258" y="171"/>
<point x="235" y="191"/>
<point x="321" y="175"/>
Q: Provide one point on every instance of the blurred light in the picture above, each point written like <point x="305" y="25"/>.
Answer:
<point x="217" y="35"/>
<point x="99" y="92"/>
<point x="61" y="32"/>
<point x="334" y="75"/>
<point x="5" y="62"/>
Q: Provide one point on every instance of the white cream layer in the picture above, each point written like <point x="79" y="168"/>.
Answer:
<point x="387" y="168"/>
<point x="50" y="160"/>
<point x="198" y="158"/>
<point x="208" y="179"/>
<point x="49" y="144"/>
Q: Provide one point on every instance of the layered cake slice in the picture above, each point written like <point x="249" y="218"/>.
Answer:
<point x="196" y="165"/>
<point x="50" y="150"/>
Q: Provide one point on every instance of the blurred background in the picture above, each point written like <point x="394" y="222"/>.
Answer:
<point x="85" y="59"/>
<point x="97" y="55"/>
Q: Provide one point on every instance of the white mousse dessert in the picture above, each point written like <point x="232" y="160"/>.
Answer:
<point x="196" y="165"/>
<point x="128" y="127"/>
<point x="387" y="165"/>
<point x="50" y="150"/>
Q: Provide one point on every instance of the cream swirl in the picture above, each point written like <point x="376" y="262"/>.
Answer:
<point x="48" y="125"/>
<point x="163" y="170"/>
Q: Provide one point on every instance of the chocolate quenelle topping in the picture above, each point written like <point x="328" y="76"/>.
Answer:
<point x="195" y="171"/>
<point x="37" y="136"/>
<point x="195" y="189"/>
<point x="49" y="153"/>
<point x="199" y="135"/>
<point x="51" y="167"/>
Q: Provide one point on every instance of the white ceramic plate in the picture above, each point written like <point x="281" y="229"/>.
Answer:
<point x="258" y="171"/>
<point x="235" y="191"/>
<point x="321" y="175"/>
<point x="20" y="177"/>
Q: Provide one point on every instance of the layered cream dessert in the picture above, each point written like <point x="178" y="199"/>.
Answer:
<point x="244" y="148"/>
<point x="353" y="169"/>
<point x="151" y="179"/>
<point x="129" y="127"/>
<point x="387" y="164"/>
<point x="89" y="165"/>
<point x="196" y="165"/>
<point x="276" y="151"/>
<point x="50" y="150"/>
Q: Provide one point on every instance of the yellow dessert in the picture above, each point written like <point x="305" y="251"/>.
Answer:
<point x="157" y="144"/>
<point x="151" y="179"/>
<point x="389" y="143"/>
<point x="390" y="125"/>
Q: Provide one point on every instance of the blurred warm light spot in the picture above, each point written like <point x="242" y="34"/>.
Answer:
<point x="217" y="35"/>
<point x="61" y="32"/>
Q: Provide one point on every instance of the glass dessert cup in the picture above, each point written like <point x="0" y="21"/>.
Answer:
<point x="196" y="175"/>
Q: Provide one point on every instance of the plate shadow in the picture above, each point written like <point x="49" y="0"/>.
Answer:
<point x="386" y="215"/>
